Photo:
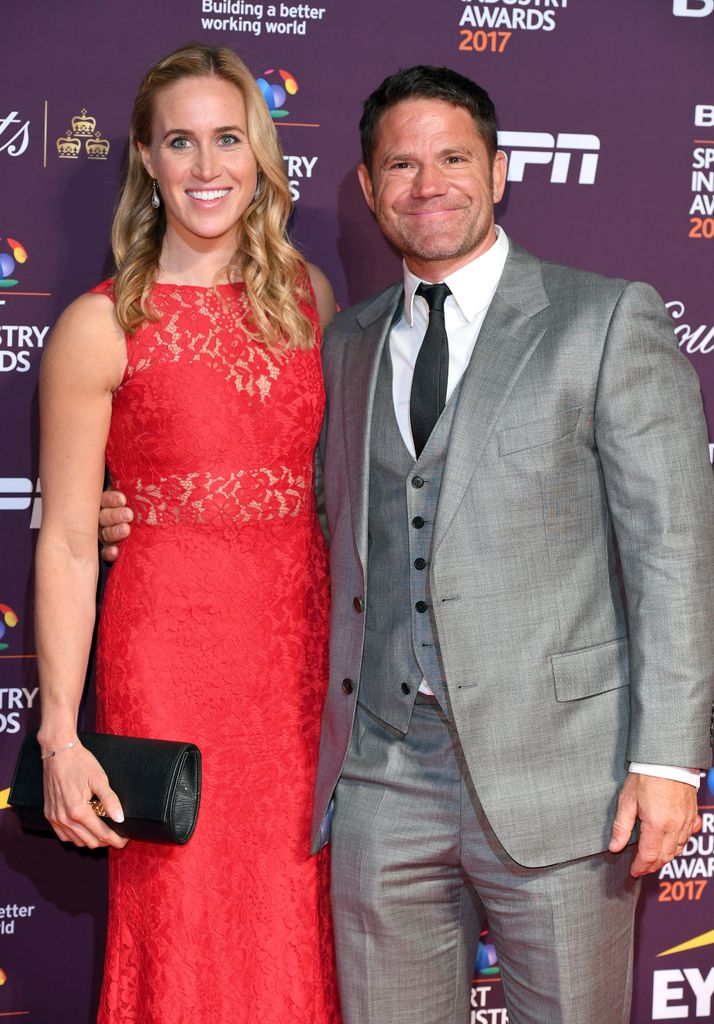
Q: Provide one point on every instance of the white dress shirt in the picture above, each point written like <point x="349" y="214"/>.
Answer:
<point x="472" y="289"/>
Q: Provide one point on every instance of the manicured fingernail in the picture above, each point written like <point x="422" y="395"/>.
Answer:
<point x="118" y="817"/>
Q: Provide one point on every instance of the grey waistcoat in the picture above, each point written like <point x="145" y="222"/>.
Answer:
<point x="400" y="646"/>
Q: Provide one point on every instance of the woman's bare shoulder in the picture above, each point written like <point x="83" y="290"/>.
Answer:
<point x="89" y="336"/>
<point x="324" y="295"/>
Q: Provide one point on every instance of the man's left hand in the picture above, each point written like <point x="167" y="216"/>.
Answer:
<point x="667" y="811"/>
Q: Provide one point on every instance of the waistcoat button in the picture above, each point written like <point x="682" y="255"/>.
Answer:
<point x="358" y="604"/>
<point x="419" y="563"/>
<point x="347" y="686"/>
<point x="417" y="481"/>
<point x="417" y="522"/>
<point x="421" y="606"/>
<point x="405" y="688"/>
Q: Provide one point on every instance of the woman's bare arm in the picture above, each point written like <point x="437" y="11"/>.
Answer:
<point x="82" y="365"/>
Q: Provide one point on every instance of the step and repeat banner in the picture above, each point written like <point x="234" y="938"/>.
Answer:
<point x="606" y="111"/>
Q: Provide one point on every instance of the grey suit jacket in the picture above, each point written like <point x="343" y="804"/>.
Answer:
<point x="571" y="571"/>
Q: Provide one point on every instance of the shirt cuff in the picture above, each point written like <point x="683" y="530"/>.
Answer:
<point x="667" y="771"/>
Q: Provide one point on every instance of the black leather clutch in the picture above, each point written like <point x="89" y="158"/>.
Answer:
<point x="157" y="781"/>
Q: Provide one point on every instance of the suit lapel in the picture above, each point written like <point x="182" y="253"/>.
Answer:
<point x="509" y="334"/>
<point x="359" y="382"/>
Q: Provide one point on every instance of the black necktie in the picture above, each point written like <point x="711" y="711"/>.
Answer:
<point x="431" y="370"/>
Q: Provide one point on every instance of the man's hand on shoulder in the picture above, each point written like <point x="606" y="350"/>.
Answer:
<point x="667" y="811"/>
<point x="114" y="520"/>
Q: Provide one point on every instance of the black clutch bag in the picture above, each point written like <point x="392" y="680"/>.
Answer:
<point x="157" y="781"/>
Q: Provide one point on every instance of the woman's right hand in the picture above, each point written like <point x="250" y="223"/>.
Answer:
<point x="72" y="778"/>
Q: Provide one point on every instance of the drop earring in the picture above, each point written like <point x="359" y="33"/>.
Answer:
<point x="155" y="197"/>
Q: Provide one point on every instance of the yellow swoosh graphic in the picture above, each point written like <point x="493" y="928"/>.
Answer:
<point x="4" y="794"/>
<point x="707" y="939"/>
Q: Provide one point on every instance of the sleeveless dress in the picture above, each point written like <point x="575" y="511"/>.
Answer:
<point x="214" y="630"/>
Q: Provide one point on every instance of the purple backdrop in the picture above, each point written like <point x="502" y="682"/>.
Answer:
<point x="607" y="112"/>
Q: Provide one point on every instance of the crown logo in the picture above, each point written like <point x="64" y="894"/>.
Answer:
<point x="68" y="148"/>
<point x="97" y="148"/>
<point x="83" y="132"/>
<point x="84" y="123"/>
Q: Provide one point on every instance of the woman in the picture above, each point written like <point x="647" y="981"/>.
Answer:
<point x="197" y="371"/>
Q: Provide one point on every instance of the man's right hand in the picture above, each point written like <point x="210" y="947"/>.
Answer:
<point x="114" y="520"/>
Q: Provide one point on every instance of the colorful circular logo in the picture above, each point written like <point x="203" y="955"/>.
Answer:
<point x="486" y="960"/>
<point x="274" y="93"/>
<point x="8" y="620"/>
<point x="7" y="262"/>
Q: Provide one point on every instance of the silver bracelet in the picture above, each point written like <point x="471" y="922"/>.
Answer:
<point x="54" y="753"/>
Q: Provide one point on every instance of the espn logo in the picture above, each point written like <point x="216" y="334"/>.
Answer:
<point x="544" y="148"/>
<point x="17" y="494"/>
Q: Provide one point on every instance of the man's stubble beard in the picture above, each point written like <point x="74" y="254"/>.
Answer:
<point x="433" y="249"/>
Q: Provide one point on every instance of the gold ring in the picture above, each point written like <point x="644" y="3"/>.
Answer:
<point x="98" y="807"/>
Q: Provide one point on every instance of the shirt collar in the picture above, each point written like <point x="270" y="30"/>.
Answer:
<point x="472" y="286"/>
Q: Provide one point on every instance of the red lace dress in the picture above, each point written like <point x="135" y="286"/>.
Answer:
<point x="214" y="630"/>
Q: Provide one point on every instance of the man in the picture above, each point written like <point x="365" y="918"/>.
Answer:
<point x="489" y="450"/>
<point x="478" y="625"/>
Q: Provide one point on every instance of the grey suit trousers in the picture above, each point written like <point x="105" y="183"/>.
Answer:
<point x="416" y="867"/>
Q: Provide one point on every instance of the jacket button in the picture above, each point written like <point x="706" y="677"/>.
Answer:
<point x="421" y="606"/>
<point x="419" y="563"/>
<point x="406" y="688"/>
<point x="347" y="686"/>
<point x="359" y="604"/>
<point x="417" y="522"/>
<point x="417" y="481"/>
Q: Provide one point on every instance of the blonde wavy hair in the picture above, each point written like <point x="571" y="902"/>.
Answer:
<point x="274" y="272"/>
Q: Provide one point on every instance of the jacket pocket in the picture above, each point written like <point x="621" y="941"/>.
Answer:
<point x="590" y="671"/>
<point x="540" y="432"/>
